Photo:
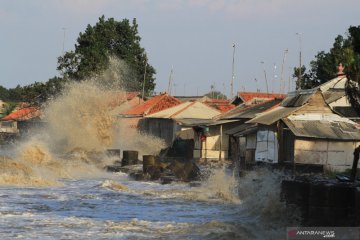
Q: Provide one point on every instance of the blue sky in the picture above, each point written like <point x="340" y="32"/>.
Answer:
<point x="193" y="36"/>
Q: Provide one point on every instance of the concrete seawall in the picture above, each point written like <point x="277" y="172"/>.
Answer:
<point x="324" y="203"/>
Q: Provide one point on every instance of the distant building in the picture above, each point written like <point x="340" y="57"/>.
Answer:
<point x="21" y="121"/>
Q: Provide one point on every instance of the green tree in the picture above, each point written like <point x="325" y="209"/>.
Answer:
<point x="16" y="94"/>
<point x="4" y="93"/>
<point x="35" y="93"/>
<point x="106" y="39"/>
<point x="324" y="66"/>
<point x="345" y="50"/>
<point x="215" y="95"/>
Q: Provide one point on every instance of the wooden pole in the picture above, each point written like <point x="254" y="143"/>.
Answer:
<point x="355" y="163"/>
<point x="221" y="134"/>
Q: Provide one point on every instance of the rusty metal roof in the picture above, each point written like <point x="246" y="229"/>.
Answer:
<point x="323" y="129"/>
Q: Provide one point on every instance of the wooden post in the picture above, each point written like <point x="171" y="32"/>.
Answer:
<point x="355" y="163"/>
<point x="220" y="148"/>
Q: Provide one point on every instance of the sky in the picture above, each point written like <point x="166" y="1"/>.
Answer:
<point x="195" y="38"/>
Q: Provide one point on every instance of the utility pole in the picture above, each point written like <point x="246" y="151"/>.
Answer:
<point x="170" y="80"/>
<point x="267" y="87"/>
<point x="282" y="81"/>
<point x="233" y="72"/>
<point x="298" y="85"/>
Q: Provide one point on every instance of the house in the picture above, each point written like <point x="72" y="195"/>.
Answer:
<point x="222" y="105"/>
<point x="192" y="98"/>
<point x="155" y="104"/>
<point x="335" y="96"/>
<point x="243" y="113"/>
<point x="21" y="121"/>
<point x="212" y="138"/>
<point x="177" y="123"/>
<point x="254" y="97"/>
<point x="121" y="102"/>
<point x="305" y="130"/>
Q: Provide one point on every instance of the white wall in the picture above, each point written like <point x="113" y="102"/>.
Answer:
<point x="335" y="156"/>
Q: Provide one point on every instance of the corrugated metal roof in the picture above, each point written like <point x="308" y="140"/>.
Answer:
<point x="335" y="83"/>
<point x="249" y="130"/>
<point x="191" y="110"/>
<point x="333" y="94"/>
<point x="298" y="98"/>
<point x="323" y="129"/>
<point x="346" y="111"/>
<point x="274" y="115"/>
<point x="202" y="122"/>
<point x="249" y="111"/>
<point x="239" y="128"/>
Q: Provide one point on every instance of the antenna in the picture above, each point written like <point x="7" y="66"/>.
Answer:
<point x="233" y="73"/>
<point x="63" y="44"/>
<point x="274" y="78"/>
<point x="298" y="84"/>
<point x="170" y="80"/>
<point x="282" y="81"/>
<point x="143" y="91"/>
<point x="224" y="87"/>
<point x="289" y="86"/>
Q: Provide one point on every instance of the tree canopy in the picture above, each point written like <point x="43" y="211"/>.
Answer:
<point x="345" y="50"/>
<point x="215" y="95"/>
<point x="109" y="38"/>
<point x="94" y="51"/>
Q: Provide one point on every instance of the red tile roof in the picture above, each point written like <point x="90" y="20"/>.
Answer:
<point x="23" y="114"/>
<point x="222" y="105"/>
<point x="248" y="96"/>
<point x="153" y="105"/>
